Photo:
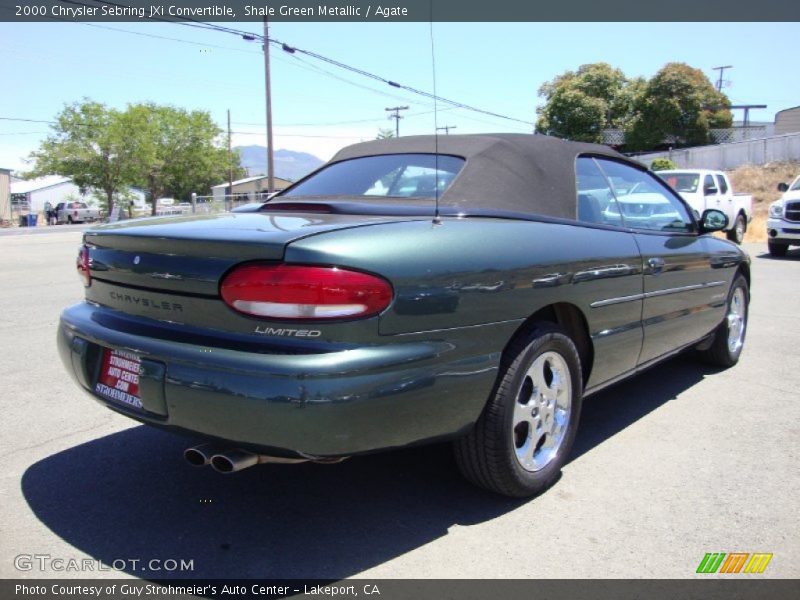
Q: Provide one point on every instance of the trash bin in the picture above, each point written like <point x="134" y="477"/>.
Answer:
<point x="32" y="220"/>
<point x="23" y="220"/>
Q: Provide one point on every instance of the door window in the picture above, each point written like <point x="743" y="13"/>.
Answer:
<point x="644" y="201"/>
<point x="596" y="202"/>
<point x="708" y="182"/>
<point x="723" y="185"/>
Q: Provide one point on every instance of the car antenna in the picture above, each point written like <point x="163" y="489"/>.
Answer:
<point x="436" y="219"/>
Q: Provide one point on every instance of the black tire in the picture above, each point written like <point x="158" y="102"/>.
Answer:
<point x="777" y="249"/>
<point x="487" y="455"/>
<point x="721" y="353"/>
<point x="736" y="234"/>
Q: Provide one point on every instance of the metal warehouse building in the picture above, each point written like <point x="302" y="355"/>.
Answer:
<point x="5" y="195"/>
<point x="250" y="189"/>
<point x="787" y="121"/>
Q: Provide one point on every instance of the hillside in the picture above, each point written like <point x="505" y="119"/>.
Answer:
<point x="288" y="164"/>
<point x="761" y="181"/>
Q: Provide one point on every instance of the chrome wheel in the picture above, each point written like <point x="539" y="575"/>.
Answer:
<point x="542" y="411"/>
<point x="737" y="320"/>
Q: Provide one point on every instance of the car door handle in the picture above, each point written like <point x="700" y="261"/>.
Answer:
<point x="656" y="265"/>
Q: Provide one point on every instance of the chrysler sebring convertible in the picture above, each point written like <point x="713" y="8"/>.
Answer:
<point x="472" y="289"/>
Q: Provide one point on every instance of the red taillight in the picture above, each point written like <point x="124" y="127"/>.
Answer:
<point x="83" y="265"/>
<point x="304" y="292"/>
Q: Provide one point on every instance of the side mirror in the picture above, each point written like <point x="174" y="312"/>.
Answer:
<point x="710" y="190"/>
<point x="713" y="220"/>
<point x="783" y="187"/>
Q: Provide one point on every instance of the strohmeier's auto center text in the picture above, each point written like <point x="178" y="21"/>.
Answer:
<point x="137" y="590"/>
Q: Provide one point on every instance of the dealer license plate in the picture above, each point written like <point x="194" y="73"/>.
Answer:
<point x="119" y="378"/>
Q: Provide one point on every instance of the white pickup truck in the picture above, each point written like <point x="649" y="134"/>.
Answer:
<point x="75" y="212"/>
<point x="703" y="189"/>
<point x="783" y="221"/>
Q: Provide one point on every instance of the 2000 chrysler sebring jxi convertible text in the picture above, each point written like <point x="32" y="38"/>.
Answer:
<point x="345" y="316"/>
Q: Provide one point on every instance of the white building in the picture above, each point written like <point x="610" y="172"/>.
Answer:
<point x="33" y="194"/>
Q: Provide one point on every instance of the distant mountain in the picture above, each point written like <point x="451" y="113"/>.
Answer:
<point x="288" y="164"/>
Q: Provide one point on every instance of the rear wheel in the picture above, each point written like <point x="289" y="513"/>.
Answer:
<point x="728" y="341"/>
<point x="777" y="249"/>
<point x="524" y="436"/>
<point x="736" y="234"/>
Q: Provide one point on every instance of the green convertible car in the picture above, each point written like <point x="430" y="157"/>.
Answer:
<point x="467" y="288"/>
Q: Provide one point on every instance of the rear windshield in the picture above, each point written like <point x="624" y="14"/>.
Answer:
<point x="681" y="182"/>
<point x="77" y="205"/>
<point x="795" y="185"/>
<point x="385" y="176"/>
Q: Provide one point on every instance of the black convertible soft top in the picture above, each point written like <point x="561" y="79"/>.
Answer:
<point x="522" y="173"/>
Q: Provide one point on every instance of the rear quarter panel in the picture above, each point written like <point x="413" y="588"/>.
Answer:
<point x="470" y="272"/>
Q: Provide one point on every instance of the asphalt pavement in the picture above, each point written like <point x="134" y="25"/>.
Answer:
<point x="680" y="461"/>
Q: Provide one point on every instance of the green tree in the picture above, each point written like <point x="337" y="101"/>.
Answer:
<point x="178" y="151"/>
<point x="679" y="106"/>
<point x="90" y="145"/>
<point x="384" y="134"/>
<point x="580" y="104"/>
<point x="662" y="164"/>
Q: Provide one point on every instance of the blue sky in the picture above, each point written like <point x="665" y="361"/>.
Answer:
<point x="496" y="66"/>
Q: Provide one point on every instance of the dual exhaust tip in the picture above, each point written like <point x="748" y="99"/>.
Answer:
<point x="221" y="461"/>
<point x="236" y="459"/>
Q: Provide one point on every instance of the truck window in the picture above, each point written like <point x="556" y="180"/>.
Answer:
<point x="723" y="185"/>
<point x="709" y="182"/>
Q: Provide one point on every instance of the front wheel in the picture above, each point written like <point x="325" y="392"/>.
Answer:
<point x="736" y="234"/>
<point x="728" y="341"/>
<point x="524" y="436"/>
<point x="777" y="249"/>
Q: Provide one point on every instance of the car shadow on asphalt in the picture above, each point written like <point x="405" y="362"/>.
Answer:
<point x="791" y="253"/>
<point x="130" y="496"/>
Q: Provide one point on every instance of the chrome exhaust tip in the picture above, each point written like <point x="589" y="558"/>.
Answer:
<point x="233" y="461"/>
<point x="200" y="456"/>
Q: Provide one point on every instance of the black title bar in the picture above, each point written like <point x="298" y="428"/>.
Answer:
<point x="403" y="11"/>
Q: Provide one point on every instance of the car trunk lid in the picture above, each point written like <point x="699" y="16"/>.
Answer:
<point x="189" y="255"/>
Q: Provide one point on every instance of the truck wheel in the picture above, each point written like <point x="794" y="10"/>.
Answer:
<point x="739" y="227"/>
<point x="777" y="249"/>
<point x="524" y="436"/>
<point x="728" y="341"/>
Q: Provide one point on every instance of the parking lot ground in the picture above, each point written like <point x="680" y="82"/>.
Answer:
<point x="680" y="461"/>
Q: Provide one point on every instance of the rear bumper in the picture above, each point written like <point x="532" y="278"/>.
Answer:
<point x="330" y="403"/>
<point x="783" y="232"/>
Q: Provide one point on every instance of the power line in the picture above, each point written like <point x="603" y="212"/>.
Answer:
<point x="302" y="135"/>
<point x="187" y="21"/>
<point x="24" y="133"/>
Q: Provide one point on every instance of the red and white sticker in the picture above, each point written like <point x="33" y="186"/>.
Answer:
<point x="119" y="378"/>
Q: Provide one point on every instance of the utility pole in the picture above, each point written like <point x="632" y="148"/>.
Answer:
<point x="228" y="203"/>
<point x="721" y="71"/>
<point x="268" y="86"/>
<point x="447" y="128"/>
<point x="396" y="116"/>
